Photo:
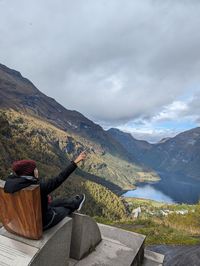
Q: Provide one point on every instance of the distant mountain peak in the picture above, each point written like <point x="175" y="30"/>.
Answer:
<point x="120" y="132"/>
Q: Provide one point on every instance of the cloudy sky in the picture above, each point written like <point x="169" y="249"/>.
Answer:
<point x="133" y="64"/>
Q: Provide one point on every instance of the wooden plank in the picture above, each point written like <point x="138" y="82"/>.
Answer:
<point x="20" y="212"/>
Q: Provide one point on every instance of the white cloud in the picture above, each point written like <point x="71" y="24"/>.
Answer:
<point x="180" y="110"/>
<point x="172" y="120"/>
<point x="171" y="112"/>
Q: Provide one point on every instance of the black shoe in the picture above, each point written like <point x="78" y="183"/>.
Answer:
<point x="79" y="200"/>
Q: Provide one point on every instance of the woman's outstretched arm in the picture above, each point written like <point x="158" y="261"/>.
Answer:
<point x="53" y="183"/>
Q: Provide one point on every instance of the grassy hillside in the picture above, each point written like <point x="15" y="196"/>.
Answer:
<point x="162" y="223"/>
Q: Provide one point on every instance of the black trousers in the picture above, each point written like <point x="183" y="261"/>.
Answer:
<point x="60" y="209"/>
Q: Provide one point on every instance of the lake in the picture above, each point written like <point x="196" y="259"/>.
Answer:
<point x="168" y="190"/>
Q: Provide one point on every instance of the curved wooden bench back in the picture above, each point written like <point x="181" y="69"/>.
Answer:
<point x="20" y="212"/>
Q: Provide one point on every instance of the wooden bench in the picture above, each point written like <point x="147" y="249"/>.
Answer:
<point x="20" y="212"/>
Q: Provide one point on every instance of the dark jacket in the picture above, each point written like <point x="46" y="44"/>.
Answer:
<point x="15" y="183"/>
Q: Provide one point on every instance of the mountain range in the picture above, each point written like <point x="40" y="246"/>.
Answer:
<point x="177" y="157"/>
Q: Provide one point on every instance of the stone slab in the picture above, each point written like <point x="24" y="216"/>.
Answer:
<point x="85" y="236"/>
<point x="52" y="250"/>
<point x="14" y="253"/>
<point x="117" y="248"/>
<point x="108" y="253"/>
<point x="48" y="234"/>
<point x="130" y="239"/>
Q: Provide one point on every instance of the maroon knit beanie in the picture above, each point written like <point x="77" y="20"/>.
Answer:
<point x="24" y="167"/>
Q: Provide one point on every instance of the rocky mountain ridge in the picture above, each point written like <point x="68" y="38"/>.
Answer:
<point x="178" y="156"/>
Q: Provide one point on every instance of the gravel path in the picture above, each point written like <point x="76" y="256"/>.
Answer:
<point x="178" y="255"/>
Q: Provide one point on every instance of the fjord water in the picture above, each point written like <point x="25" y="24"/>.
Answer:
<point x="168" y="190"/>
